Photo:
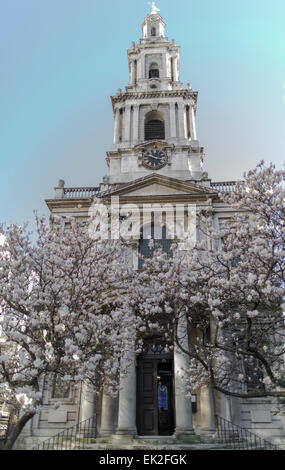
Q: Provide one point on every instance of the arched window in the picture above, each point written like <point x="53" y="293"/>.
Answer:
<point x="153" y="31"/>
<point x="153" y="70"/>
<point x="154" y="126"/>
<point x="146" y="251"/>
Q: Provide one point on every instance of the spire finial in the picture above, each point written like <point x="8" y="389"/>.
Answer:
<point x="154" y="8"/>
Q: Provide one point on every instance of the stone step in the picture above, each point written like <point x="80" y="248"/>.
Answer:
<point x="148" y="443"/>
<point x="141" y="446"/>
<point x="155" y="440"/>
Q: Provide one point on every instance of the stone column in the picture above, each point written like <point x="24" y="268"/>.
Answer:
<point x="208" y="425"/>
<point x="142" y="67"/>
<point x="117" y="125"/>
<point x="132" y="77"/>
<point x="127" y="398"/>
<point x="207" y="399"/>
<point x="107" y="415"/>
<point x="183" y="407"/>
<point x="172" y="121"/>
<point x="193" y="132"/>
<point x="181" y="121"/>
<point x="87" y="410"/>
<point x="127" y="123"/>
<point x="163" y="73"/>
<point x="175" y="69"/>
<point x="136" y="124"/>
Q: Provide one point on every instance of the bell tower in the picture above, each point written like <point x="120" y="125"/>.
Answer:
<point x="155" y="118"/>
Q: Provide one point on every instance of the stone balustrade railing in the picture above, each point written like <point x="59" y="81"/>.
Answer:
<point x="224" y="186"/>
<point x="88" y="192"/>
<point x="79" y="193"/>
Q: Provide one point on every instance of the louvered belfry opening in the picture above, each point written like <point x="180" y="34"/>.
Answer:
<point x="154" y="126"/>
<point x="153" y="70"/>
<point x="154" y="73"/>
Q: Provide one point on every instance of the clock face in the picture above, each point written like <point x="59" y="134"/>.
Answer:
<point x="154" y="159"/>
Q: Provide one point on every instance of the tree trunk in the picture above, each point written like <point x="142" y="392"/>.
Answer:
<point x="18" y="429"/>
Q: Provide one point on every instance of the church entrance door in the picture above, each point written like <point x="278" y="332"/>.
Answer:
<point x="155" y="413"/>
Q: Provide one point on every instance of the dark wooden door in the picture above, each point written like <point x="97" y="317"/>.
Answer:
<point x="154" y="396"/>
<point x="147" y="398"/>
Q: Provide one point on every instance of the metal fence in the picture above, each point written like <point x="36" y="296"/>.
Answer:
<point x="77" y="437"/>
<point x="236" y="437"/>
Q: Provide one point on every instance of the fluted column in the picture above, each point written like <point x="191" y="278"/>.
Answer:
<point x="183" y="407"/>
<point x="107" y="415"/>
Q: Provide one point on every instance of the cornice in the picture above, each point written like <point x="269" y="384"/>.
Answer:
<point x="188" y="187"/>
<point x="161" y="43"/>
<point x="118" y="153"/>
<point x="140" y="95"/>
<point x="70" y="203"/>
<point x="203" y="199"/>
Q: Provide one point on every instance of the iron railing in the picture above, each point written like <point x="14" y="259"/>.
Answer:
<point x="236" y="437"/>
<point x="81" y="435"/>
<point x="76" y="437"/>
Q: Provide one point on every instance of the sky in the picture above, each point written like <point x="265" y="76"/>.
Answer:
<point x="61" y="60"/>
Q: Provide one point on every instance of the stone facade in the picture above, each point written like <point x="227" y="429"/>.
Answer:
<point x="154" y="93"/>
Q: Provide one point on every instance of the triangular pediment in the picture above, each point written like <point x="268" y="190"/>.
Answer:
<point x="159" y="185"/>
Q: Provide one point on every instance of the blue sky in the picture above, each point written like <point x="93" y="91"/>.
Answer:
<point x="61" y="60"/>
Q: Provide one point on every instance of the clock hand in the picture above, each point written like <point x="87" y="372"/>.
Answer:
<point x="156" y="158"/>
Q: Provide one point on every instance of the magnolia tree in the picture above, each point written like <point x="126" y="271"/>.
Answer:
<point x="63" y="311"/>
<point x="229" y="289"/>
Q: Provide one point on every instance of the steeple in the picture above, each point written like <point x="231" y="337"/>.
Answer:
<point x="154" y="62"/>
<point x="155" y="115"/>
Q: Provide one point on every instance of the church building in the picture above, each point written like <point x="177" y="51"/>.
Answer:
<point x="155" y="159"/>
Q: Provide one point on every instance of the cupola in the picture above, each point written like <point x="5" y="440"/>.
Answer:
<point x="153" y="25"/>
